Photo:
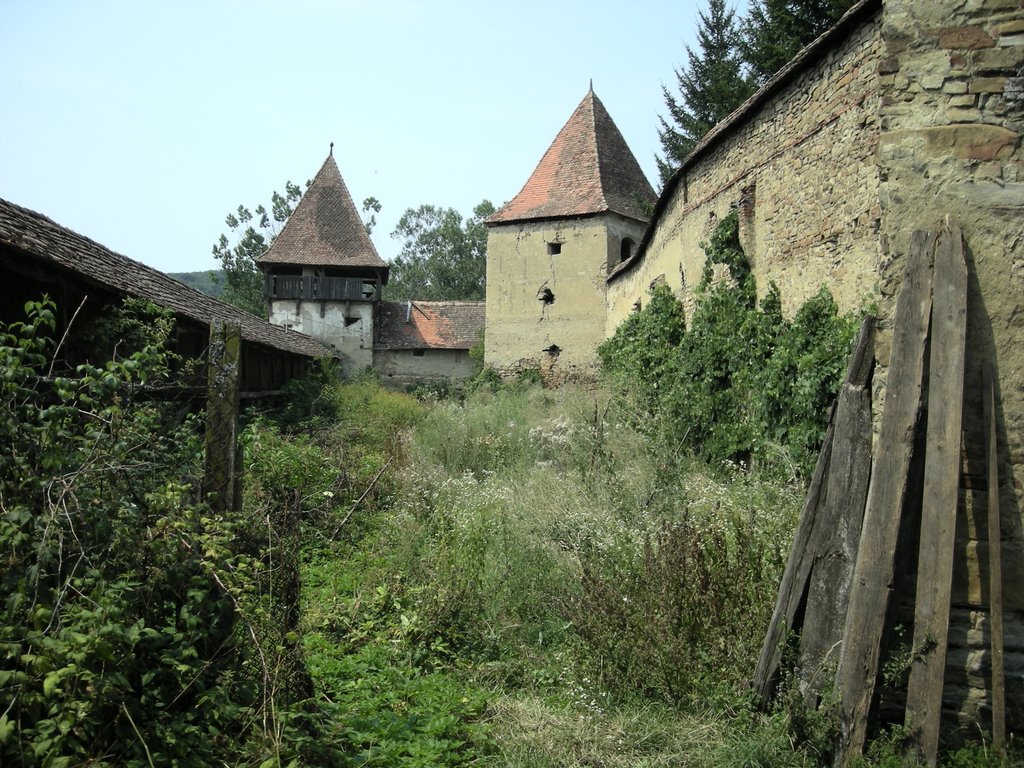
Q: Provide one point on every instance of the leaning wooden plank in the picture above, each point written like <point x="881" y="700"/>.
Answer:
<point x="794" y="579"/>
<point x="871" y="590"/>
<point x="941" y="491"/>
<point x="835" y="543"/>
<point x="801" y="557"/>
<point x="995" y="564"/>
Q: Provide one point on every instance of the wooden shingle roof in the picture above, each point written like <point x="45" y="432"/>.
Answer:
<point x="430" y="324"/>
<point x="325" y="229"/>
<point x="41" y="238"/>
<point x="588" y="169"/>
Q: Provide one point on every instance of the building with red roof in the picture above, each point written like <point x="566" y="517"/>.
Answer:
<point x="550" y="248"/>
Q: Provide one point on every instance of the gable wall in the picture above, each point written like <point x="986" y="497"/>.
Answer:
<point x="806" y="162"/>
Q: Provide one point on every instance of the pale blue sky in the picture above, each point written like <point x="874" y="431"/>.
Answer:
<point x="142" y="124"/>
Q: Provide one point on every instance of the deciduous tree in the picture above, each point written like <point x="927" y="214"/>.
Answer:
<point x="252" y="233"/>
<point x="444" y="257"/>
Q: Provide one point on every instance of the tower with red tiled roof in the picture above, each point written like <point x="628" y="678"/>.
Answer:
<point x="323" y="276"/>
<point x="550" y="248"/>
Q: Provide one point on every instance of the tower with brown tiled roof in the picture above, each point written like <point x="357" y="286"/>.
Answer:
<point x="549" y="249"/>
<point x="323" y="276"/>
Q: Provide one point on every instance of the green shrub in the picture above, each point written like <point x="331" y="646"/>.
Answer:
<point x="121" y="639"/>
<point x="740" y="382"/>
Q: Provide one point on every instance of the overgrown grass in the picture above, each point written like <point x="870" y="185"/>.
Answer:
<point x="538" y="584"/>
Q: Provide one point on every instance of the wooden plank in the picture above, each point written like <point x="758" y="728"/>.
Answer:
<point x="793" y="589"/>
<point x="941" y="492"/>
<point x="995" y="564"/>
<point x="220" y="478"/>
<point x="872" y="586"/>
<point x="835" y="544"/>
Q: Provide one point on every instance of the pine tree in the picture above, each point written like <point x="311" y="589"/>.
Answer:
<point x="711" y="85"/>
<point x="774" y="31"/>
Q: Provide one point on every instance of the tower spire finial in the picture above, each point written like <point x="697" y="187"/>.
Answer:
<point x="591" y="85"/>
<point x="332" y="149"/>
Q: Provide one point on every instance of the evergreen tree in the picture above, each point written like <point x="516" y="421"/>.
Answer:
<point x="774" y="31"/>
<point x="711" y="85"/>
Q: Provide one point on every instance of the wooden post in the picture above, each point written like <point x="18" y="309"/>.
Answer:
<point x="794" y="578"/>
<point x="995" y="564"/>
<point x="874" y="572"/>
<point x="941" y="492"/>
<point x="222" y="470"/>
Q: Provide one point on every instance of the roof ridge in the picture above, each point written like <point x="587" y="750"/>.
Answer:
<point x="597" y="144"/>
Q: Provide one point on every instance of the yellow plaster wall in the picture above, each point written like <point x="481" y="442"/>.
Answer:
<point x="520" y="326"/>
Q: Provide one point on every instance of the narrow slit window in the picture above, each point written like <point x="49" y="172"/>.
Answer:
<point x="554" y="249"/>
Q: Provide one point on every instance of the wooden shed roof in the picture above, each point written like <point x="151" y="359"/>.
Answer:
<point x="39" y="237"/>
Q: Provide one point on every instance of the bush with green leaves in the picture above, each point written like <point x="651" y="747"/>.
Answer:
<point x="130" y="608"/>
<point x="741" y="382"/>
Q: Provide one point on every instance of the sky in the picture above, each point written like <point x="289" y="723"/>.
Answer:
<point x="143" y="124"/>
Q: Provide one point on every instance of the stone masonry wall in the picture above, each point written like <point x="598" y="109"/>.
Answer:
<point x="802" y="168"/>
<point x="951" y="112"/>
<point x="404" y="367"/>
<point x="520" y="326"/>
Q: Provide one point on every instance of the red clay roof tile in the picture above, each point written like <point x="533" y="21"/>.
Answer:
<point x="588" y="169"/>
<point x="429" y="324"/>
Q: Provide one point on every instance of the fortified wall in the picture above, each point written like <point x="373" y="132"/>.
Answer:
<point x="905" y="112"/>
<point x="800" y="165"/>
<point x="951" y="114"/>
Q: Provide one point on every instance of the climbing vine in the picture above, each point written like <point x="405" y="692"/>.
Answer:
<point x="740" y="382"/>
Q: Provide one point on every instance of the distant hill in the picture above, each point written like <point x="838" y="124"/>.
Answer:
<point x="205" y="281"/>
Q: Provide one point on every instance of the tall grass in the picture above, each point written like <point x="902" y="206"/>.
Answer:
<point x="536" y="583"/>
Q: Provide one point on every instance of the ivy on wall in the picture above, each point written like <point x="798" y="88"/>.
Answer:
<point x="740" y="382"/>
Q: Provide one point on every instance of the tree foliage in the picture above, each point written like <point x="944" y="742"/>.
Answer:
<point x="443" y="257"/>
<point x="711" y="85"/>
<point x="252" y="232"/>
<point x="735" y="57"/>
<point x="774" y="31"/>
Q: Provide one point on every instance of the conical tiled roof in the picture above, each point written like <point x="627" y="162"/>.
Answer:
<point x="587" y="169"/>
<point x="324" y="230"/>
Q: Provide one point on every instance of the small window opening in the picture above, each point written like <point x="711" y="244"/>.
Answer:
<point x="418" y="352"/>
<point x="554" y="249"/>
<point x="553" y="350"/>
<point x="545" y="295"/>
<point x="350" y="321"/>
<point x="369" y="290"/>
<point x="626" y="249"/>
